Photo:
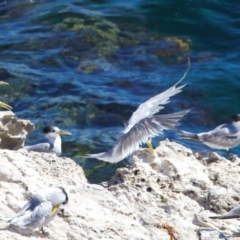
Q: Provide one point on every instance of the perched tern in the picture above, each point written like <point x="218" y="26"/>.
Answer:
<point x="233" y="213"/>
<point x="40" y="210"/>
<point x="52" y="142"/>
<point x="2" y="104"/>
<point x="224" y="136"/>
<point x="143" y="125"/>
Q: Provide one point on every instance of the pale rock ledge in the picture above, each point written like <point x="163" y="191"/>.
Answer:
<point x="173" y="188"/>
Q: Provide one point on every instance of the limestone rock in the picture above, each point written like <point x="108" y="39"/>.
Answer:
<point x="210" y="234"/>
<point x="13" y="131"/>
<point x="169" y="194"/>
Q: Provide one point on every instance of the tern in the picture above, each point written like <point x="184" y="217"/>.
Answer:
<point x="39" y="210"/>
<point x="143" y="124"/>
<point x="52" y="142"/>
<point x="224" y="136"/>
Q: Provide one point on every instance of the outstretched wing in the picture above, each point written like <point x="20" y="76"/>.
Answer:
<point x="154" y="104"/>
<point x="138" y="134"/>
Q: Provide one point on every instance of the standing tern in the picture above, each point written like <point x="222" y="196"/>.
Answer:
<point x="52" y="142"/>
<point x="2" y="104"/>
<point x="40" y="210"/>
<point x="143" y="125"/>
<point x="233" y="213"/>
<point x="224" y="136"/>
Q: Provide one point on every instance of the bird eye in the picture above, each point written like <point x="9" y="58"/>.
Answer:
<point x="53" y="130"/>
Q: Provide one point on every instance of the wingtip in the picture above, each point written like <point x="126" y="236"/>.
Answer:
<point x="214" y="217"/>
<point x="185" y="73"/>
<point x="189" y="110"/>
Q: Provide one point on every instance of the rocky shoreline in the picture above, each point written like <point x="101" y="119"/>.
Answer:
<point x="168" y="196"/>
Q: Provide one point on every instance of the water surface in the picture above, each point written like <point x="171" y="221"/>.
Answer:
<point x="85" y="66"/>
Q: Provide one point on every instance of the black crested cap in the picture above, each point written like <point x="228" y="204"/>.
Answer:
<point x="63" y="190"/>
<point x="235" y="117"/>
<point x="49" y="129"/>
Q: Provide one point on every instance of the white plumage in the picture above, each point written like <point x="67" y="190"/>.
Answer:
<point x="143" y="125"/>
<point x="39" y="210"/>
<point x="224" y="136"/>
<point x="52" y="142"/>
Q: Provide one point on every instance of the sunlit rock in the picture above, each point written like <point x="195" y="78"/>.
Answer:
<point x="13" y="131"/>
<point x="166" y="196"/>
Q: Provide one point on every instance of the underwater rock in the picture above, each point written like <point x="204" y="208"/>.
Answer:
<point x="13" y="131"/>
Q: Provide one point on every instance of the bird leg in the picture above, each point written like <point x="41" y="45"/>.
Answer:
<point x="43" y="231"/>
<point x="150" y="146"/>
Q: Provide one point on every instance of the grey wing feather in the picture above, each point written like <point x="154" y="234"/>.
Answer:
<point x="32" y="218"/>
<point x="30" y="205"/>
<point x="138" y="134"/>
<point x="40" y="213"/>
<point x="20" y="213"/>
<point x="154" y="104"/>
<point x="40" y="147"/>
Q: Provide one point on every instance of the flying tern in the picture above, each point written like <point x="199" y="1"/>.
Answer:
<point x="143" y="124"/>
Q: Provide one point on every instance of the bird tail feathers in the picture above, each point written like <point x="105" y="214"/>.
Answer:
<point x="188" y="135"/>
<point x="101" y="156"/>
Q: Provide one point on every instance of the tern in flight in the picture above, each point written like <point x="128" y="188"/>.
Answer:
<point x="144" y="125"/>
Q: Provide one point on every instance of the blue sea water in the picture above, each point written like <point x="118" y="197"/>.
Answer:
<point x="85" y="66"/>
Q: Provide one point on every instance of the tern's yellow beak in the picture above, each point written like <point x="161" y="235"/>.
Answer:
<point x="64" y="132"/>
<point x="2" y="82"/>
<point x="6" y="106"/>
<point x="55" y="209"/>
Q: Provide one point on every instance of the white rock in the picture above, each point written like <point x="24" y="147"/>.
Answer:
<point x="165" y="191"/>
